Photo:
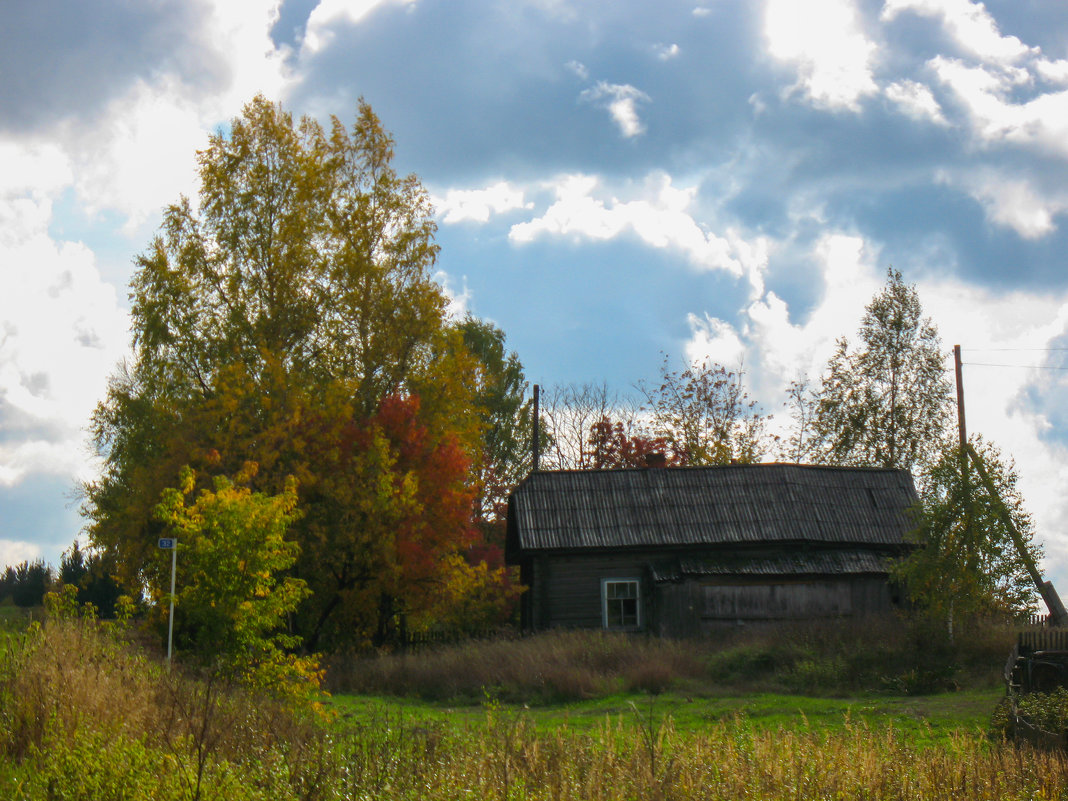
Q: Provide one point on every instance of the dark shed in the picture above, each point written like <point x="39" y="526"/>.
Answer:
<point x="682" y="550"/>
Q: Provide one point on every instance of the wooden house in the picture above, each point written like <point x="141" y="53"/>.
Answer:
<point x="681" y="551"/>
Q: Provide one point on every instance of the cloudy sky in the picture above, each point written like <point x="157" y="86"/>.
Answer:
<point x="615" y="182"/>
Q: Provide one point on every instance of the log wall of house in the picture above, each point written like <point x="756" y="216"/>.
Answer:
<point x="565" y="591"/>
<point x="693" y="606"/>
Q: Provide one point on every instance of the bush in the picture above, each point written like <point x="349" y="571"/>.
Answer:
<point x="553" y="667"/>
<point x="1048" y="711"/>
<point x="86" y="715"/>
<point x="827" y="657"/>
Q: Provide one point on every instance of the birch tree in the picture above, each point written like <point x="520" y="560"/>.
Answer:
<point x="886" y="402"/>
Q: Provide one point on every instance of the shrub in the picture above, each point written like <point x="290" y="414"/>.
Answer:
<point x="825" y="657"/>
<point x="552" y="667"/>
<point x="1048" y="711"/>
<point x="85" y="715"/>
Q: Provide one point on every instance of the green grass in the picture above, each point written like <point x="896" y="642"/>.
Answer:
<point x="86" y="715"/>
<point x="11" y="615"/>
<point x="926" y="719"/>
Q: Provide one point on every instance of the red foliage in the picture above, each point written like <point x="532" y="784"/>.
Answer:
<point x="614" y="450"/>
<point x="440" y="468"/>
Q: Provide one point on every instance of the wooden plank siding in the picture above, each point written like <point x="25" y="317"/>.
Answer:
<point x="565" y="592"/>
<point x="568" y="587"/>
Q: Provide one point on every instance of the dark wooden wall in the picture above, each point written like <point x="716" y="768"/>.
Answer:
<point x="565" y="591"/>
<point x="693" y="607"/>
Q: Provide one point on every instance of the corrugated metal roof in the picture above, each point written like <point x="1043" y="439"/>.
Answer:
<point x="801" y="563"/>
<point x="735" y="504"/>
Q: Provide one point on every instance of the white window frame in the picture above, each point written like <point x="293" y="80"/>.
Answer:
<point x="637" y="582"/>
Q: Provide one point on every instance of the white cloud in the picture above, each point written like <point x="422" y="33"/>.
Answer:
<point x="579" y="69"/>
<point x="969" y="24"/>
<point x="715" y="341"/>
<point x="240" y="34"/>
<point x="143" y="158"/>
<point x="138" y="153"/>
<point x="659" y="215"/>
<point x="667" y="52"/>
<point x="1040" y="123"/>
<point x="824" y="40"/>
<point x="61" y="333"/>
<point x="621" y="100"/>
<point x="13" y="552"/>
<point x="1053" y="71"/>
<point x="330" y="13"/>
<point x="991" y="80"/>
<point x="459" y="299"/>
<point x="40" y="170"/>
<point x="478" y="205"/>
<point x="1011" y="201"/>
<point x="916" y="101"/>
<point x="783" y="348"/>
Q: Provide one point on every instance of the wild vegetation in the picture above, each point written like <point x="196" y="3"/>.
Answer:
<point x="87" y="715"/>
<point x="890" y="656"/>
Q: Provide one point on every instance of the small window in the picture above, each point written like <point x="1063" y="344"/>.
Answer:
<point x="621" y="603"/>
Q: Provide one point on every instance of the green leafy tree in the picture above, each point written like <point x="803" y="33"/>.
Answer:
<point x="706" y="416"/>
<point x="504" y="410"/>
<point x="801" y="444"/>
<point x="233" y="596"/>
<point x="29" y="581"/>
<point x="887" y="402"/>
<point x="93" y="581"/>
<point x="485" y="591"/>
<point x="967" y="562"/>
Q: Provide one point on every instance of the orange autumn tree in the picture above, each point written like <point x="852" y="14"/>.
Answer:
<point x="291" y="318"/>
<point x="389" y="530"/>
<point x="430" y="575"/>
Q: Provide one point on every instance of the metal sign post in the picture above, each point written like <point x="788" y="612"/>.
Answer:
<point x="170" y="543"/>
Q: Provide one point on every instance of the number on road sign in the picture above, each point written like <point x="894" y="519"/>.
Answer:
<point x="166" y="542"/>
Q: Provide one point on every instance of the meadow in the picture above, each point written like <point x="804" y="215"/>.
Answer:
<point x="87" y="714"/>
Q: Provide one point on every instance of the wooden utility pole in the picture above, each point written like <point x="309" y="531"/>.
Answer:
<point x="536" y="427"/>
<point x="962" y="431"/>
<point x="1058" y="614"/>
<point x="960" y="398"/>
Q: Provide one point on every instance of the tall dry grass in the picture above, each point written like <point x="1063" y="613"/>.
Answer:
<point x="880" y="654"/>
<point x="646" y="759"/>
<point x="550" y="668"/>
<point x="86" y="714"/>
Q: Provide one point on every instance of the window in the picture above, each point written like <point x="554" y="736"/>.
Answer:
<point x="621" y="603"/>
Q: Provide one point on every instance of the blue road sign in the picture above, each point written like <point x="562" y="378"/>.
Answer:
<point x="166" y="542"/>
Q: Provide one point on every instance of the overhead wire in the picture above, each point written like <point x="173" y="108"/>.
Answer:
<point x="1015" y="350"/>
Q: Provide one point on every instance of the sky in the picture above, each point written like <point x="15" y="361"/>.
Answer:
<point x="615" y="183"/>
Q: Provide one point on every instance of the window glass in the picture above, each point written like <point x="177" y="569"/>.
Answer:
<point x="621" y="604"/>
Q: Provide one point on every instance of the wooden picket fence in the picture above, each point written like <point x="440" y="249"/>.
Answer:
<point x="1044" y="639"/>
